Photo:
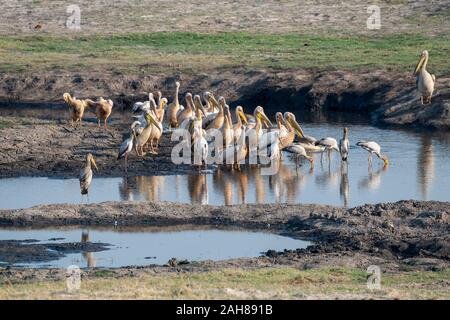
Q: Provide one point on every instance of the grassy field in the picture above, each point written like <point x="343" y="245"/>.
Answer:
<point x="166" y="52"/>
<point x="271" y="283"/>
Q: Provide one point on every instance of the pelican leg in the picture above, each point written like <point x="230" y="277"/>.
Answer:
<point x="98" y="122"/>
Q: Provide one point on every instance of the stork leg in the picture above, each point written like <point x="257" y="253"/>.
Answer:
<point x="126" y="164"/>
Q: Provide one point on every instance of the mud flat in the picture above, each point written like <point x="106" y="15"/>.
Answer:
<point x="389" y="98"/>
<point x="406" y="235"/>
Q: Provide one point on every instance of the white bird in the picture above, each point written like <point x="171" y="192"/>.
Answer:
<point x="200" y="148"/>
<point x="329" y="144"/>
<point x="126" y="147"/>
<point x="298" y="152"/>
<point x="425" y="81"/>
<point x="86" y="174"/>
<point x="373" y="148"/>
<point x="344" y="145"/>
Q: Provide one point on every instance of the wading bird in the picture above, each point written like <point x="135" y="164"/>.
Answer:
<point x="298" y="152"/>
<point x="200" y="148"/>
<point x="329" y="145"/>
<point x="143" y="137"/>
<point x="344" y="145"/>
<point x="126" y="147"/>
<point x="424" y="81"/>
<point x="157" y="130"/>
<point x="174" y="108"/>
<point x="86" y="174"/>
<point x="373" y="148"/>
<point x="237" y="127"/>
<point x="76" y="108"/>
<point x="103" y="109"/>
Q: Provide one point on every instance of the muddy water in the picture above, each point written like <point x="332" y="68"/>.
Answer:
<point x="419" y="169"/>
<point x="153" y="246"/>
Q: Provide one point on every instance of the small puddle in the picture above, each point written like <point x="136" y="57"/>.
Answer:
<point x="145" y="246"/>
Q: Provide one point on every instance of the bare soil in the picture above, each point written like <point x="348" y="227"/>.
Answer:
<point x="405" y="235"/>
<point x="274" y="16"/>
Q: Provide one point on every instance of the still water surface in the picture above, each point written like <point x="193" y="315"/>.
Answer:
<point x="419" y="169"/>
<point x="154" y="246"/>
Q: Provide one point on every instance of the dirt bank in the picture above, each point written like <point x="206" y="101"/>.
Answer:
<point x="411" y="233"/>
<point x="389" y="98"/>
<point x="45" y="148"/>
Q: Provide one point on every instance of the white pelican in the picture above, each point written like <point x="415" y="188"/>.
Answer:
<point x="235" y="154"/>
<point x="126" y="147"/>
<point x="86" y="174"/>
<point x="227" y="128"/>
<point x="76" y="108"/>
<point x="260" y="118"/>
<point x="142" y="138"/>
<point x="329" y="144"/>
<point x="200" y="148"/>
<point x="237" y="127"/>
<point x="188" y="111"/>
<point x="307" y="142"/>
<point x="174" y="108"/>
<point x="373" y="147"/>
<point x="298" y="151"/>
<point x="344" y="145"/>
<point x="425" y="81"/>
<point x="157" y="131"/>
<point x="103" y="109"/>
<point x="215" y="120"/>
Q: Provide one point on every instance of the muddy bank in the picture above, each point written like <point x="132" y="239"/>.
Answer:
<point x="407" y="232"/>
<point x="45" y="148"/>
<point x="389" y="98"/>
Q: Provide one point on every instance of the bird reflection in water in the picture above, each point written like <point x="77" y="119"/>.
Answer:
<point x="88" y="256"/>
<point x="373" y="179"/>
<point x="198" y="189"/>
<point x="344" y="188"/>
<point x="425" y="165"/>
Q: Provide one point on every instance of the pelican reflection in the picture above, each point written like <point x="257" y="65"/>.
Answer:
<point x="425" y="165"/>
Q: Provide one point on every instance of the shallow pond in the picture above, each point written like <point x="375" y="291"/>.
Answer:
<point x="146" y="246"/>
<point x="419" y="169"/>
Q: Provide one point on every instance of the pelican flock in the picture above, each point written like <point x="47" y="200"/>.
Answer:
<point x="248" y="136"/>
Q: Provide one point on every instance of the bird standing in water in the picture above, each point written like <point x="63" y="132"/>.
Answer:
<point x="344" y="145"/>
<point x="373" y="147"/>
<point x="86" y="174"/>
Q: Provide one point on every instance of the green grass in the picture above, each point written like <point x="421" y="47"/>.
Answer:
<point x="263" y="283"/>
<point x="166" y="52"/>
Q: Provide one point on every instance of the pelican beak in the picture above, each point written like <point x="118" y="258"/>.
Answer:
<point x="243" y="117"/>
<point x="150" y="118"/>
<point x="94" y="164"/>
<point x="419" y="64"/>
<point x="296" y="127"/>
<point x="386" y="162"/>
<point x="265" y="119"/>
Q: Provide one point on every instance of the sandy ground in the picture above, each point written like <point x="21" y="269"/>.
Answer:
<point x="406" y="234"/>
<point x="273" y="16"/>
